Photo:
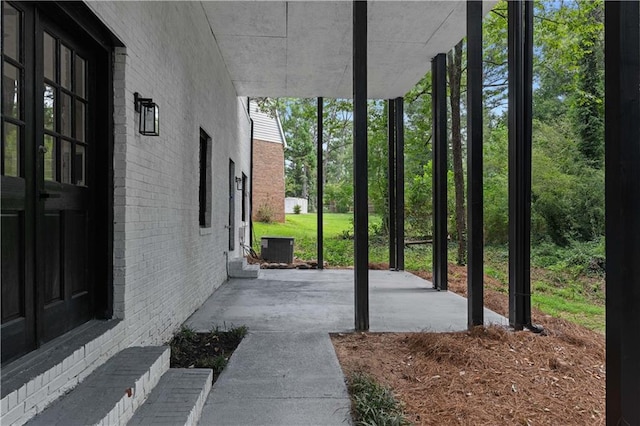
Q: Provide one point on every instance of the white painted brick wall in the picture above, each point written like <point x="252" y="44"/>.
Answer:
<point x="165" y="266"/>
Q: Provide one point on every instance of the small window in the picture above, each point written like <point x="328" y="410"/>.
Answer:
<point x="232" y="205"/>
<point x="205" y="180"/>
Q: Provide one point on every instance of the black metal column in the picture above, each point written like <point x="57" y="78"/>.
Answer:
<point x="520" y="58"/>
<point x="320" y="185"/>
<point x="475" y="235"/>
<point x="391" y="181"/>
<point x="622" y="208"/>
<point x="439" y="111"/>
<point x="399" y="157"/>
<point x="360" y="178"/>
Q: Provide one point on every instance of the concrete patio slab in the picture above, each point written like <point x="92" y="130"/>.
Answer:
<point x="285" y="372"/>
<point x="322" y="300"/>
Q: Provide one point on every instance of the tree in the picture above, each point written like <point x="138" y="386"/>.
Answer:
<point x="588" y="110"/>
<point x="299" y="127"/>
<point x="455" y="81"/>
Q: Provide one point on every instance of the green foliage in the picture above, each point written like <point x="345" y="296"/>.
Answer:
<point x="265" y="213"/>
<point x="297" y="209"/>
<point x="580" y="258"/>
<point x="378" y="154"/>
<point x="496" y="201"/>
<point x="237" y="333"/>
<point x="567" y="196"/>
<point x="212" y="350"/>
<point x="185" y="333"/>
<point x="216" y="363"/>
<point x="374" y="404"/>
<point x="566" y="282"/>
<point x="303" y="229"/>
<point x="298" y="125"/>
<point x="299" y="122"/>
<point x="588" y="112"/>
<point x="567" y="204"/>
<point x="339" y="197"/>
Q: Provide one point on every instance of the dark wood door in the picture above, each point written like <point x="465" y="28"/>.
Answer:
<point x="18" y="184"/>
<point x="62" y="181"/>
<point x="49" y="183"/>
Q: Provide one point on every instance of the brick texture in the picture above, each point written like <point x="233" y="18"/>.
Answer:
<point x="165" y="264"/>
<point x="268" y="179"/>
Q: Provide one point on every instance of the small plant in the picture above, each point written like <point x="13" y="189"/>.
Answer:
<point x="237" y="333"/>
<point x="186" y="334"/>
<point x="265" y="213"/>
<point x="374" y="404"/>
<point x="216" y="363"/>
<point x="297" y="209"/>
<point x="346" y="234"/>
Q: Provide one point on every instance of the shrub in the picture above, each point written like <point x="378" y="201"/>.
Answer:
<point x="297" y="209"/>
<point x="265" y="213"/>
<point x="374" y="404"/>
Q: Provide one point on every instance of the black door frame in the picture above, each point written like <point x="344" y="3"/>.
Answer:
<point x="79" y="17"/>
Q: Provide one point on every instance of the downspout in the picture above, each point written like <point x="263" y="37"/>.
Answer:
<point x="250" y="177"/>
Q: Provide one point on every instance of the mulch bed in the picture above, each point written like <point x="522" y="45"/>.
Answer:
<point x="204" y="350"/>
<point x="487" y="376"/>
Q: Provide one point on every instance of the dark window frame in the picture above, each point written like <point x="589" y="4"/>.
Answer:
<point x="232" y="205"/>
<point x="204" y="190"/>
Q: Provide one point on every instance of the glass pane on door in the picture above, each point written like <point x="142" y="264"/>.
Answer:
<point x="79" y="86"/>
<point x="80" y="120"/>
<point x="11" y="149"/>
<point x="65" y="115"/>
<point x="50" y="158"/>
<point x="11" y="32"/>
<point x="65" y="160"/>
<point x="65" y="67"/>
<point x="49" y="107"/>
<point x="11" y="91"/>
<point x="49" y="47"/>
<point x="80" y="165"/>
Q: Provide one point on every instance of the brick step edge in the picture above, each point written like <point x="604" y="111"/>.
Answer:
<point x="111" y="394"/>
<point x="177" y="399"/>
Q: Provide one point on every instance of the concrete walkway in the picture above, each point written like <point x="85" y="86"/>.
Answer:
<point x="285" y="372"/>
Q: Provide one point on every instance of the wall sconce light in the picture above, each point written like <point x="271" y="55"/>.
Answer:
<point x="149" y="119"/>
<point x="238" y="183"/>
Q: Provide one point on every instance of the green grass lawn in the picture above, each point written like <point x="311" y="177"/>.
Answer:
<point x="302" y="227"/>
<point x="338" y="240"/>
<point x="557" y="292"/>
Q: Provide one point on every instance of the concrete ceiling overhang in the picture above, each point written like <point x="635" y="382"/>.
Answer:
<point x="303" y="48"/>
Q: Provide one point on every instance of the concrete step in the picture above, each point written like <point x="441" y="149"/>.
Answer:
<point x="111" y="394"/>
<point x="239" y="268"/>
<point x="34" y="381"/>
<point x="177" y="399"/>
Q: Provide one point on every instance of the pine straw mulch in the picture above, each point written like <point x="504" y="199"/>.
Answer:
<point x="488" y="376"/>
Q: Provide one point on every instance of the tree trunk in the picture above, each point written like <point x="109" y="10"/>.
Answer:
<point x="455" y="76"/>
